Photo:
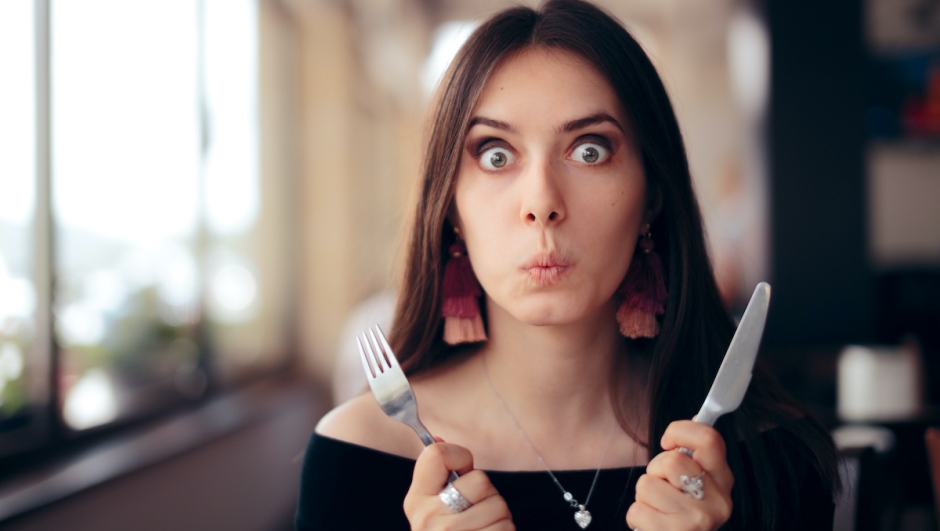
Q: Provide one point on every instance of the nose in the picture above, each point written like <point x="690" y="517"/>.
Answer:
<point x="542" y="199"/>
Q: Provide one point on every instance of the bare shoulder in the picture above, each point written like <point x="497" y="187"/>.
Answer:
<point x="361" y="421"/>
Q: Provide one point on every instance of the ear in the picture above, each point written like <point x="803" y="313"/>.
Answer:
<point x="654" y="204"/>
<point x="453" y="217"/>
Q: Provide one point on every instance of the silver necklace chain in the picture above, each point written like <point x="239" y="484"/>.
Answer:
<point x="567" y="495"/>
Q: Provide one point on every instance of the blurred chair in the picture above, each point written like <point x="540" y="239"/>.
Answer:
<point x="866" y="503"/>
<point x="932" y="437"/>
<point x="854" y="508"/>
<point x="847" y="503"/>
<point x="349" y="379"/>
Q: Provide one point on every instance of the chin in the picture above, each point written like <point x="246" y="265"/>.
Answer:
<point x="551" y="313"/>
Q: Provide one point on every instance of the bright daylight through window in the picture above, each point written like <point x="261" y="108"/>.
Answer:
<point x="166" y="283"/>
<point x="17" y="208"/>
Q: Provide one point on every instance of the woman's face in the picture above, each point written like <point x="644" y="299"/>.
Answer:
<point x="550" y="194"/>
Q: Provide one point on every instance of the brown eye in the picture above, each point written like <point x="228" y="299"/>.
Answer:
<point x="590" y="153"/>
<point x="496" y="158"/>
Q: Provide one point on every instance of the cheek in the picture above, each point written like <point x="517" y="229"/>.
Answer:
<point x="485" y="231"/>
<point x="483" y="222"/>
<point x="483" y="207"/>
<point x="612" y="220"/>
<point x="609" y="232"/>
<point x="614" y="262"/>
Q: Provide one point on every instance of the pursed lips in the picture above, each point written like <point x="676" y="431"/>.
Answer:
<point x="546" y="269"/>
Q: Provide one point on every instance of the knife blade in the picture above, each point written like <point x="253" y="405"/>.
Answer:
<point x="734" y="375"/>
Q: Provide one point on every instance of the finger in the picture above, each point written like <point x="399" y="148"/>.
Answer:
<point x="482" y="515"/>
<point x="422" y="510"/>
<point x="503" y="525"/>
<point x="643" y="516"/>
<point x="475" y="486"/>
<point x="434" y="465"/>
<point x="707" y="445"/>
<point x="661" y="495"/>
<point x="713" y="508"/>
<point x="717" y="504"/>
<point x="671" y="466"/>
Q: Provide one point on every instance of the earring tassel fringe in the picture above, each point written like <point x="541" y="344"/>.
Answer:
<point x="644" y="293"/>
<point x="460" y="308"/>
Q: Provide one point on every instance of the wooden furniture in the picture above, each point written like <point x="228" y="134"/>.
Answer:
<point x="932" y="437"/>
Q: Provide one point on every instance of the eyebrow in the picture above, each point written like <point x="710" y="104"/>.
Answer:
<point x="567" y="127"/>
<point x="492" y="123"/>
<point x="581" y="123"/>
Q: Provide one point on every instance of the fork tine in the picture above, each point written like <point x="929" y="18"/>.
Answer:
<point x="389" y="384"/>
<point x="392" y="360"/>
<point x="380" y="357"/>
<point x="366" y="364"/>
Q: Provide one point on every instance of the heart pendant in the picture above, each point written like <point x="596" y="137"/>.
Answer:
<point x="582" y="518"/>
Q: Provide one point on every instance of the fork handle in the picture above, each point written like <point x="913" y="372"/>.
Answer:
<point x="423" y="432"/>
<point x="428" y="440"/>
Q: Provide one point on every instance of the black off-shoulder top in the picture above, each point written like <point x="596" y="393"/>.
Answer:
<point x="351" y="487"/>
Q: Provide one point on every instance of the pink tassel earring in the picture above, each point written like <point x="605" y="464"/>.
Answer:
<point x="461" y="311"/>
<point x="644" y="292"/>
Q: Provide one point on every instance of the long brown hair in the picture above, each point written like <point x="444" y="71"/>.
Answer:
<point x="696" y="328"/>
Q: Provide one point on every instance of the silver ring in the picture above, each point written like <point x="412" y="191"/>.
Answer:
<point x="693" y="486"/>
<point x="453" y="499"/>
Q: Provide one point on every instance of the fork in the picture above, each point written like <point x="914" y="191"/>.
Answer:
<point x="389" y="385"/>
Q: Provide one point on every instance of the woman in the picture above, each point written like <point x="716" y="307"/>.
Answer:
<point x="557" y="178"/>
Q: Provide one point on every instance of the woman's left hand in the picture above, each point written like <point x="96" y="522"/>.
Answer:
<point x="662" y="504"/>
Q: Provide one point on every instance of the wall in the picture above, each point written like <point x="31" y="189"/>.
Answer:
<point x="358" y="137"/>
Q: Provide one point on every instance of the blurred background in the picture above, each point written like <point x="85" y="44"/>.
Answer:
<point x="202" y="202"/>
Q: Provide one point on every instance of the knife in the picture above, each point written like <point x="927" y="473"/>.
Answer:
<point x="734" y="375"/>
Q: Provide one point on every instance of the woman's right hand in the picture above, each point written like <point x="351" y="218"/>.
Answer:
<point x="426" y="511"/>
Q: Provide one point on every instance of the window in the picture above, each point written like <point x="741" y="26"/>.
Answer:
<point x="165" y="255"/>
<point x="17" y="213"/>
